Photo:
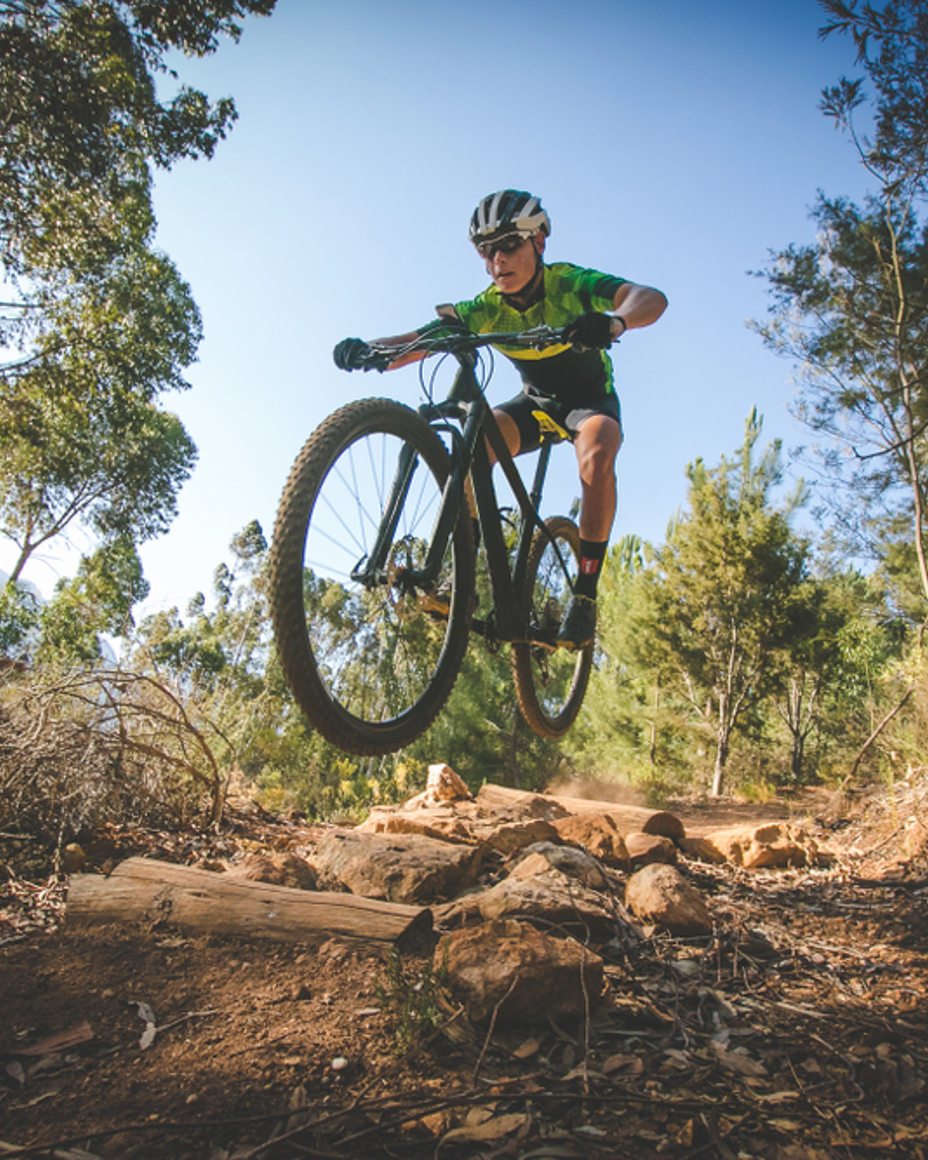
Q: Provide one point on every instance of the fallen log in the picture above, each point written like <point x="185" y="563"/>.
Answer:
<point x="144" y="890"/>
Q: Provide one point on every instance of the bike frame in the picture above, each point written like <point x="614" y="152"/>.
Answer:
<point x="467" y="405"/>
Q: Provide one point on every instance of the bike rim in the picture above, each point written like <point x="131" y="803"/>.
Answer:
<point x="377" y="649"/>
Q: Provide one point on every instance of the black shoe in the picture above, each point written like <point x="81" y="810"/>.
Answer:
<point x="579" y="625"/>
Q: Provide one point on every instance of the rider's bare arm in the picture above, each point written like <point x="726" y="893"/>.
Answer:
<point x="637" y="306"/>
<point x="402" y="340"/>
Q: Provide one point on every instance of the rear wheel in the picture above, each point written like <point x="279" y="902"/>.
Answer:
<point x="370" y="664"/>
<point x="550" y="682"/>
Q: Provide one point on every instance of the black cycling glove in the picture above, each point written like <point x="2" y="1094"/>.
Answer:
<point x="354" y="354"/>
<point x="350" y="354"/>
<point x="590" y="330"/>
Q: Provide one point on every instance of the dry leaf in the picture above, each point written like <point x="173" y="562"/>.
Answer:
<point x="479" y="1115"/>
<point x="145" y="1012"/>
<point x="60" y="1041"/>
<point x="493" y="1129"/>
<point x="740" y="1062"/>
<point x="615" y="1062"/>
<point x="581" y="1072"/>
<point x="526" y="1049"/>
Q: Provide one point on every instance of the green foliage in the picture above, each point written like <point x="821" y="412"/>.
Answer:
<point x="851" y="309"/>
<point x="19" y="615"/>
<point x="720" y="597"/>
<point x="83" y="118"/>
<point x="97" y="324"/>
<point x="97" y="602"/>
<point x="690" y="629"/>
<point x="412" y="995"/>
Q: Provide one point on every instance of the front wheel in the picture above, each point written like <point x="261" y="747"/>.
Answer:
<point x="371" y="659"/>
<point x="550" y="682"/>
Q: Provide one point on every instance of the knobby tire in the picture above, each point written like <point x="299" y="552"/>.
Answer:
<point x="550" y="683"/>
<point x="369" y="667"/>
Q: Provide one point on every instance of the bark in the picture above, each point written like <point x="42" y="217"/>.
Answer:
<point x="147" y="891"/>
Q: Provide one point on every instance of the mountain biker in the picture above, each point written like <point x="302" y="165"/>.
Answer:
<point x="571" y="383"/>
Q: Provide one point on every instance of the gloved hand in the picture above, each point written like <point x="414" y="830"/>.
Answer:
<point x="590" y="330"/>
<point x="354" y="354"/>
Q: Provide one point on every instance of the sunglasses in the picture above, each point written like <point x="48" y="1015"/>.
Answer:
<point x="507" y="245"/>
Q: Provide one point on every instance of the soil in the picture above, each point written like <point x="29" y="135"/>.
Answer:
<point x="798" y="1030"/>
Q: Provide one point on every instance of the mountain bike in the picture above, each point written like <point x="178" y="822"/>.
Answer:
<point x="372" y="567"/>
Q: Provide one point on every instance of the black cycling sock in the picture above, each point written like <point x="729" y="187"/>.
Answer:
<point x="592" y="554"/>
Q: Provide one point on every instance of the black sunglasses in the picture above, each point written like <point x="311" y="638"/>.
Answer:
<point x="507" y="245"/>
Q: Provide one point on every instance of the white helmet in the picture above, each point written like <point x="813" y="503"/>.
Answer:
<point x="511" y="211"/>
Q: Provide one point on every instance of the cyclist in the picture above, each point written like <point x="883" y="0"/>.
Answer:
<point x="571" y="384"/>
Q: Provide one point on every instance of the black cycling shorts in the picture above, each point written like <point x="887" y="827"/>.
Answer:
<point x="567" y="418"/>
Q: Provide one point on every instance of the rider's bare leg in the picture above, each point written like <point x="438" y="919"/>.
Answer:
<point x="596" y="444"/>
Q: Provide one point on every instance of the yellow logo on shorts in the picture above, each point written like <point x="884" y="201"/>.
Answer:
<point x="548" y="426"/>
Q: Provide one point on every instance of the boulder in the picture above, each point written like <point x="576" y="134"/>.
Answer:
<point x="441" y="828"/>
<point x="551" y="976"/>
<point x="536" y="892"/>
<point x="403" y="868"/>
<point x="759" y="847"/>
<point x="661" y="896"/>
<point x="598" y="834"/>
<point x="702" y="850"/>
<point x="665" y="825"/>
<point x="643" y="849"/>
<point x="510" y="837"/>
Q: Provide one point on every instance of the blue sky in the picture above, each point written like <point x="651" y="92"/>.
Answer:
<point x="672" y="143"/>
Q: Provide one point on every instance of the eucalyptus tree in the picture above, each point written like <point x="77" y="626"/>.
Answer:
<point x="95" y="324"/>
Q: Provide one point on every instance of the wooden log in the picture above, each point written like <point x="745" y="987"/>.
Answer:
<point x="629" y="819"/>
<point x="144" y="890"/>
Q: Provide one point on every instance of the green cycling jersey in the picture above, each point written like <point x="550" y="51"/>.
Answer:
<point x="559" y="372"/>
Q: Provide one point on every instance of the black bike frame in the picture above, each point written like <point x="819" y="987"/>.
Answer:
<point x="467" y="405"/>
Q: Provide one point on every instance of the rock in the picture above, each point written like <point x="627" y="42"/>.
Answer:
<point x="442" y="828"/>
<point x="512" y="804"/>
<point x="643" y="849"/>
<point x="513" y="836"/>
<point x="772" y="845"/>
<point x="445" y="785"/>
<point x="73" y="859"/>
<point x="536" y="892"/>
<point x="574" y="863"/>
<point x="659" y="894"/>
<point x="702" y="850"/>
<point x="665" y="825"/>
<point x="552" y="976"/>
<point x="442" y="785"/>
<point x="598" y="834"/>
<point x="403" y="868"/>
<point x="276" y="870"/>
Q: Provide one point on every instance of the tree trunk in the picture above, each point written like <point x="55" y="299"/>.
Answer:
<point x="723" y="742"/>
<point x="143" y="890"/>
<point x="796" y="758"/>
<point x="513" y="755"/>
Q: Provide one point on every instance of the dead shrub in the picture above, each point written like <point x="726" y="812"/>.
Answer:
<point x="81" y="748"/>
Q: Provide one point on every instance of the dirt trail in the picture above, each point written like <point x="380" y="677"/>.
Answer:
<point x="798" y="1031"/>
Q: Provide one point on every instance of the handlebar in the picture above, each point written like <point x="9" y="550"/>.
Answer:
<point x="443" y="337"/>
